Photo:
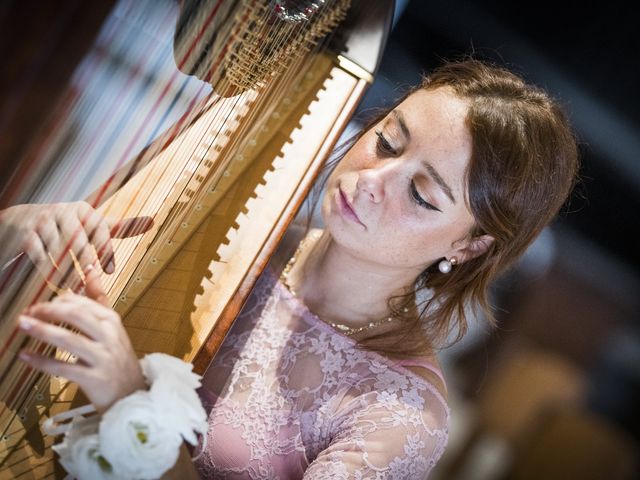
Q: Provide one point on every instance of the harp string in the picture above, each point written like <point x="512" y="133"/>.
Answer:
<point x="20" y="376"/>
<point x="276" y="92"/>
<point x="49" y="347"/>
<point x="176" y="223"/>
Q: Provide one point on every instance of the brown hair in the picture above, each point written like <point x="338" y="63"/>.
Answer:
<point x="523" y="165"/>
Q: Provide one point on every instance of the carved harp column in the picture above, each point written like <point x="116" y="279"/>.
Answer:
<point x="222" y="180"/>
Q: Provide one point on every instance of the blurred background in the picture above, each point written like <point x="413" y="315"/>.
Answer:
<point x="554" y="392"/>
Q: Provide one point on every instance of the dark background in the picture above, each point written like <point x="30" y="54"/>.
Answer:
<point x="586" y="56"/>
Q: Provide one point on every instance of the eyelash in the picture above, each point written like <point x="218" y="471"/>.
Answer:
<point x="418" y="199"/>
<point x="383" y="144"/>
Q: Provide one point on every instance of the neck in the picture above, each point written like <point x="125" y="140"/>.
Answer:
<point x="339" y="286"/>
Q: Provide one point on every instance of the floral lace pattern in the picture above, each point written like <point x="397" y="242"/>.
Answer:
<point x="288" y="397"/>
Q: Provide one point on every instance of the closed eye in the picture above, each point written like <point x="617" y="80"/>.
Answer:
<point x="415" y="195"/>
<point x="383" y="144"/>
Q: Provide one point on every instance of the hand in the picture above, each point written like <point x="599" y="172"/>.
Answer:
<point x="107" y="368"/>
<point x="50" y="231"/>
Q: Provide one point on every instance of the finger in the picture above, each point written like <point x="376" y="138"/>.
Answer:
<point x="99" y="233"/>
<point x="60" y="337"/>
<point x="130" y="227"/>
<point x="74" y="372"/>
<point x="82" y="301"/>
<point x="94" y="289"/>
<point x="59" y="270"/>
<point x="81" y="287"/>
<point x="76" y="239"/>
<point x="35" y="250"/>
<point x="69" y="309"/>
<point x="47" y="230"/>
<point x="87" y="259"/>
<point x="67" y="275"/>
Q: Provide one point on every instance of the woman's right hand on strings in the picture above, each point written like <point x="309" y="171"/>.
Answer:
<point x="106" y="366"/>
<point x="47" y="233"/>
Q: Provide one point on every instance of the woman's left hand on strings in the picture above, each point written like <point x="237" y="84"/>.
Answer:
<point x="53" y="235"/>
<point x="106" y="367"/>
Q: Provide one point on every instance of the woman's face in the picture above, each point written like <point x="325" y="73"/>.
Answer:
<point x="398" y="197"/>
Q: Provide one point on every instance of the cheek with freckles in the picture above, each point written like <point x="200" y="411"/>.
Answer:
<point x="400" y="244"/>
<point x="398" y="240"/>
<point x="398" y="233"/>
<point x="361" y="155"/>
<point x="387" y="244"/>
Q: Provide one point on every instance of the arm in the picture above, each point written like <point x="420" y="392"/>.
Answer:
<point x="386" y="436"/>
<point x="107" y="370"/>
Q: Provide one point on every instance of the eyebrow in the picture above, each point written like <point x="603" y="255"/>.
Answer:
<point x="397" y="114"/>
<point x="439" y="180"/>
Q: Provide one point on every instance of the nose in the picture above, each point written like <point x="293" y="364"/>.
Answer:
<point x="371" y="182"/>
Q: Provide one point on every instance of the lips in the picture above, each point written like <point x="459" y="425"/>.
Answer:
<point x="347" y="208"/>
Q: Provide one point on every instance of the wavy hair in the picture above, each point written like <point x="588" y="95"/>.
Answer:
<point x="523" y="166"/>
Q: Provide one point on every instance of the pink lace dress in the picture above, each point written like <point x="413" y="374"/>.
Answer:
<point x="289" y="397"/>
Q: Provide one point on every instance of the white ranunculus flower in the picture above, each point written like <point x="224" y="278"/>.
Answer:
<point x="157" y="365"/>
<point x="80" y="451"/>
<point x="137" y="438"/>
<point x="182" y="406"/>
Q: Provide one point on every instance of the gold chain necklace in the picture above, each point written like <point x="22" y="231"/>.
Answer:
<point x="345" y="329"/>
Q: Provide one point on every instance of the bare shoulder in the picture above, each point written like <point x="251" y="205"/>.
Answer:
<point x="430" y="375"/>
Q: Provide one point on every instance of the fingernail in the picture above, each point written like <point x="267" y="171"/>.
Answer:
<point x="111" y="266"/>
<point x="25" y="323"/>
<point x="24" y="356"/>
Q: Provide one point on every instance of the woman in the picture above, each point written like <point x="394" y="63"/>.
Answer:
<point x="331" y="371"/>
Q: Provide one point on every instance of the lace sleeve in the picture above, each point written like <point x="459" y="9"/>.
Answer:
<point x="384" y="436"/>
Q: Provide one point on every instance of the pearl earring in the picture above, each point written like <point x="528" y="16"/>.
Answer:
<point x="445" y="265"/>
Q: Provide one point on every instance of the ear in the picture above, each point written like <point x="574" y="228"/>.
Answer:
<point x="468" y="249"/>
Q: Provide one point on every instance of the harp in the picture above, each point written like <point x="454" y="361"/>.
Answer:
<point x="222" y="179"/>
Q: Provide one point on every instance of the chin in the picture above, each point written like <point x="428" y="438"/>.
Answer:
<point x="353" y="240"/>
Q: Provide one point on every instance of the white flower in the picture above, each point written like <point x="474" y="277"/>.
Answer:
<point x="80" y="451"/>
<point x="137" y="439"/>
<point x="340" y="343"/>
<point x="319" y="345"/>
<point x="415" y="444"/>
<point x="157" y="365"/>
<point x="140" y="435"/>
<point x="181" y="408"/>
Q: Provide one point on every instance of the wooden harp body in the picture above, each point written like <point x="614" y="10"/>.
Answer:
<point x="222" y="182"/>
